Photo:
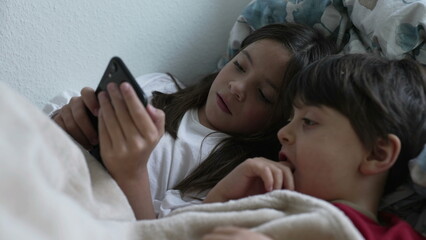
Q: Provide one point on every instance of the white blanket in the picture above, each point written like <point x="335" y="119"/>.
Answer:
<point x="50" y="190"/>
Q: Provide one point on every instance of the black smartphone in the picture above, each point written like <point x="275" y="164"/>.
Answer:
<point x="118" y="73"/>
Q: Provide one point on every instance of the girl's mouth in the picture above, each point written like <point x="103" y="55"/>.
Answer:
<point x="222" y="104"/>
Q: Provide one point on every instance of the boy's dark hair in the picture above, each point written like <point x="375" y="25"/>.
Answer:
<point x="377" y="95"/>
<point x="306" y="45"/>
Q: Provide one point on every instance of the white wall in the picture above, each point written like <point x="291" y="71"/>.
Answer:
<point x="47" y="46"/>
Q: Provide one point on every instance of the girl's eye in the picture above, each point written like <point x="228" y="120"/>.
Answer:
<point x="308" y="122"/>
<point x="239" y="67"/>
<point x="264" y="97"/>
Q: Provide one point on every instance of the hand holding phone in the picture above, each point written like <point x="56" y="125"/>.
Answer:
<point x="118" y="73"/>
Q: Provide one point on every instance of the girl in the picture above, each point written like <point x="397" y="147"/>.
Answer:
<point x="210" y="127"/>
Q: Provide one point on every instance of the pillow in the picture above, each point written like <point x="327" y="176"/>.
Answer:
<point x="409" y="200"/>
<point x="418" y="172"/>
<point x="323" y="15"/>
<point x="391" y="28"/>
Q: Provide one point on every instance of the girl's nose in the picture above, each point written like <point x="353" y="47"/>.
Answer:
<point x="285" y="135"/>
<point x="237" y="88"/>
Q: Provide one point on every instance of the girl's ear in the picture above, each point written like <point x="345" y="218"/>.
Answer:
<point x="383" y="155"/>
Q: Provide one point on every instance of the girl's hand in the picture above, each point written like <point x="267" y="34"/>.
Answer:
<point x="234" y="233"/>
<point x="253" y="176"/>
<point x="128" y="131"/>
<point x="74" y="119"/>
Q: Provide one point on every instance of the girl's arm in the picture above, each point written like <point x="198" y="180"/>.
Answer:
<point x="253" y="176"/>
<point x="128" y="132"/>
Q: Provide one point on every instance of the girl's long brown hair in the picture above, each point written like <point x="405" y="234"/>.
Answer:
<point x="306" y="46"/>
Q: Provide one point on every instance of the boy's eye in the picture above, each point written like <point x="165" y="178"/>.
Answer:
<point x="239" y="67"/>
<point x="308" y="122"/>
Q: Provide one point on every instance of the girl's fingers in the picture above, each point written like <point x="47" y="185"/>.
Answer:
<point x="58" y="119"/>
<point x="71" y="126"/>
<point x="90" y="101"/>
<point x="79" y="112"/>
<point x="138" y="113"/>
<point x="110" y="120"/>
<point x="105" y="139"/>
<point x="122" y="112"/>
<point x="158" y="117"/>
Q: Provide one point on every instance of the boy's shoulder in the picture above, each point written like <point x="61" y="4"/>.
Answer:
<point x="391" y="226"/>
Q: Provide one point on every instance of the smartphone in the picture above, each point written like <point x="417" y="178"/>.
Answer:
<point x="118" y="73"/>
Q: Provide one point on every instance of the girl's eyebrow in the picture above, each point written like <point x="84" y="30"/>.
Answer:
<point x="272" y="84"/>
<point x="247" y="54"/>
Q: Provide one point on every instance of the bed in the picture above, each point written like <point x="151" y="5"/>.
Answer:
<point x="52" y="189"/>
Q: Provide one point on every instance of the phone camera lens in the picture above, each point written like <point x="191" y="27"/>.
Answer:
<point x="113" y="67"/>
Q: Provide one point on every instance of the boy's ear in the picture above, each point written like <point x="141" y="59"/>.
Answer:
<point x="383" y="155"/>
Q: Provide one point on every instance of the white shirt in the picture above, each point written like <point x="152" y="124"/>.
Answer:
<point x="172" y="159"/>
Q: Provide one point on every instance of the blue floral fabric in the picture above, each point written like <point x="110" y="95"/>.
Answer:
<point x="391" y="28"/>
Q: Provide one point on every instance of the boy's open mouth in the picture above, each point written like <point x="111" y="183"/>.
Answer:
<point x="283" y="158"/>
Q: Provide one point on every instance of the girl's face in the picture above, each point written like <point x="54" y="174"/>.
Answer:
<point x="242" y="97"/>
<point x="323" y="151"/>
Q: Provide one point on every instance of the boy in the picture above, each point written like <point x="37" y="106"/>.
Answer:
<point x="357" y="120"/>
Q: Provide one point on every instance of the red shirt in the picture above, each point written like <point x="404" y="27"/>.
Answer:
<point x="395" y="229"/>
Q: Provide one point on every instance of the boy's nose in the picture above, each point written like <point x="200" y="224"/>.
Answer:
<point x="285" y="135"/>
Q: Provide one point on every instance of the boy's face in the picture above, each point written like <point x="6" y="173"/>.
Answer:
<point x="242" y="97"/>
<point x="323" y="150"/>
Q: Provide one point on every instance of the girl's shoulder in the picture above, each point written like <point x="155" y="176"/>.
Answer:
<point x="161" y="82"/>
